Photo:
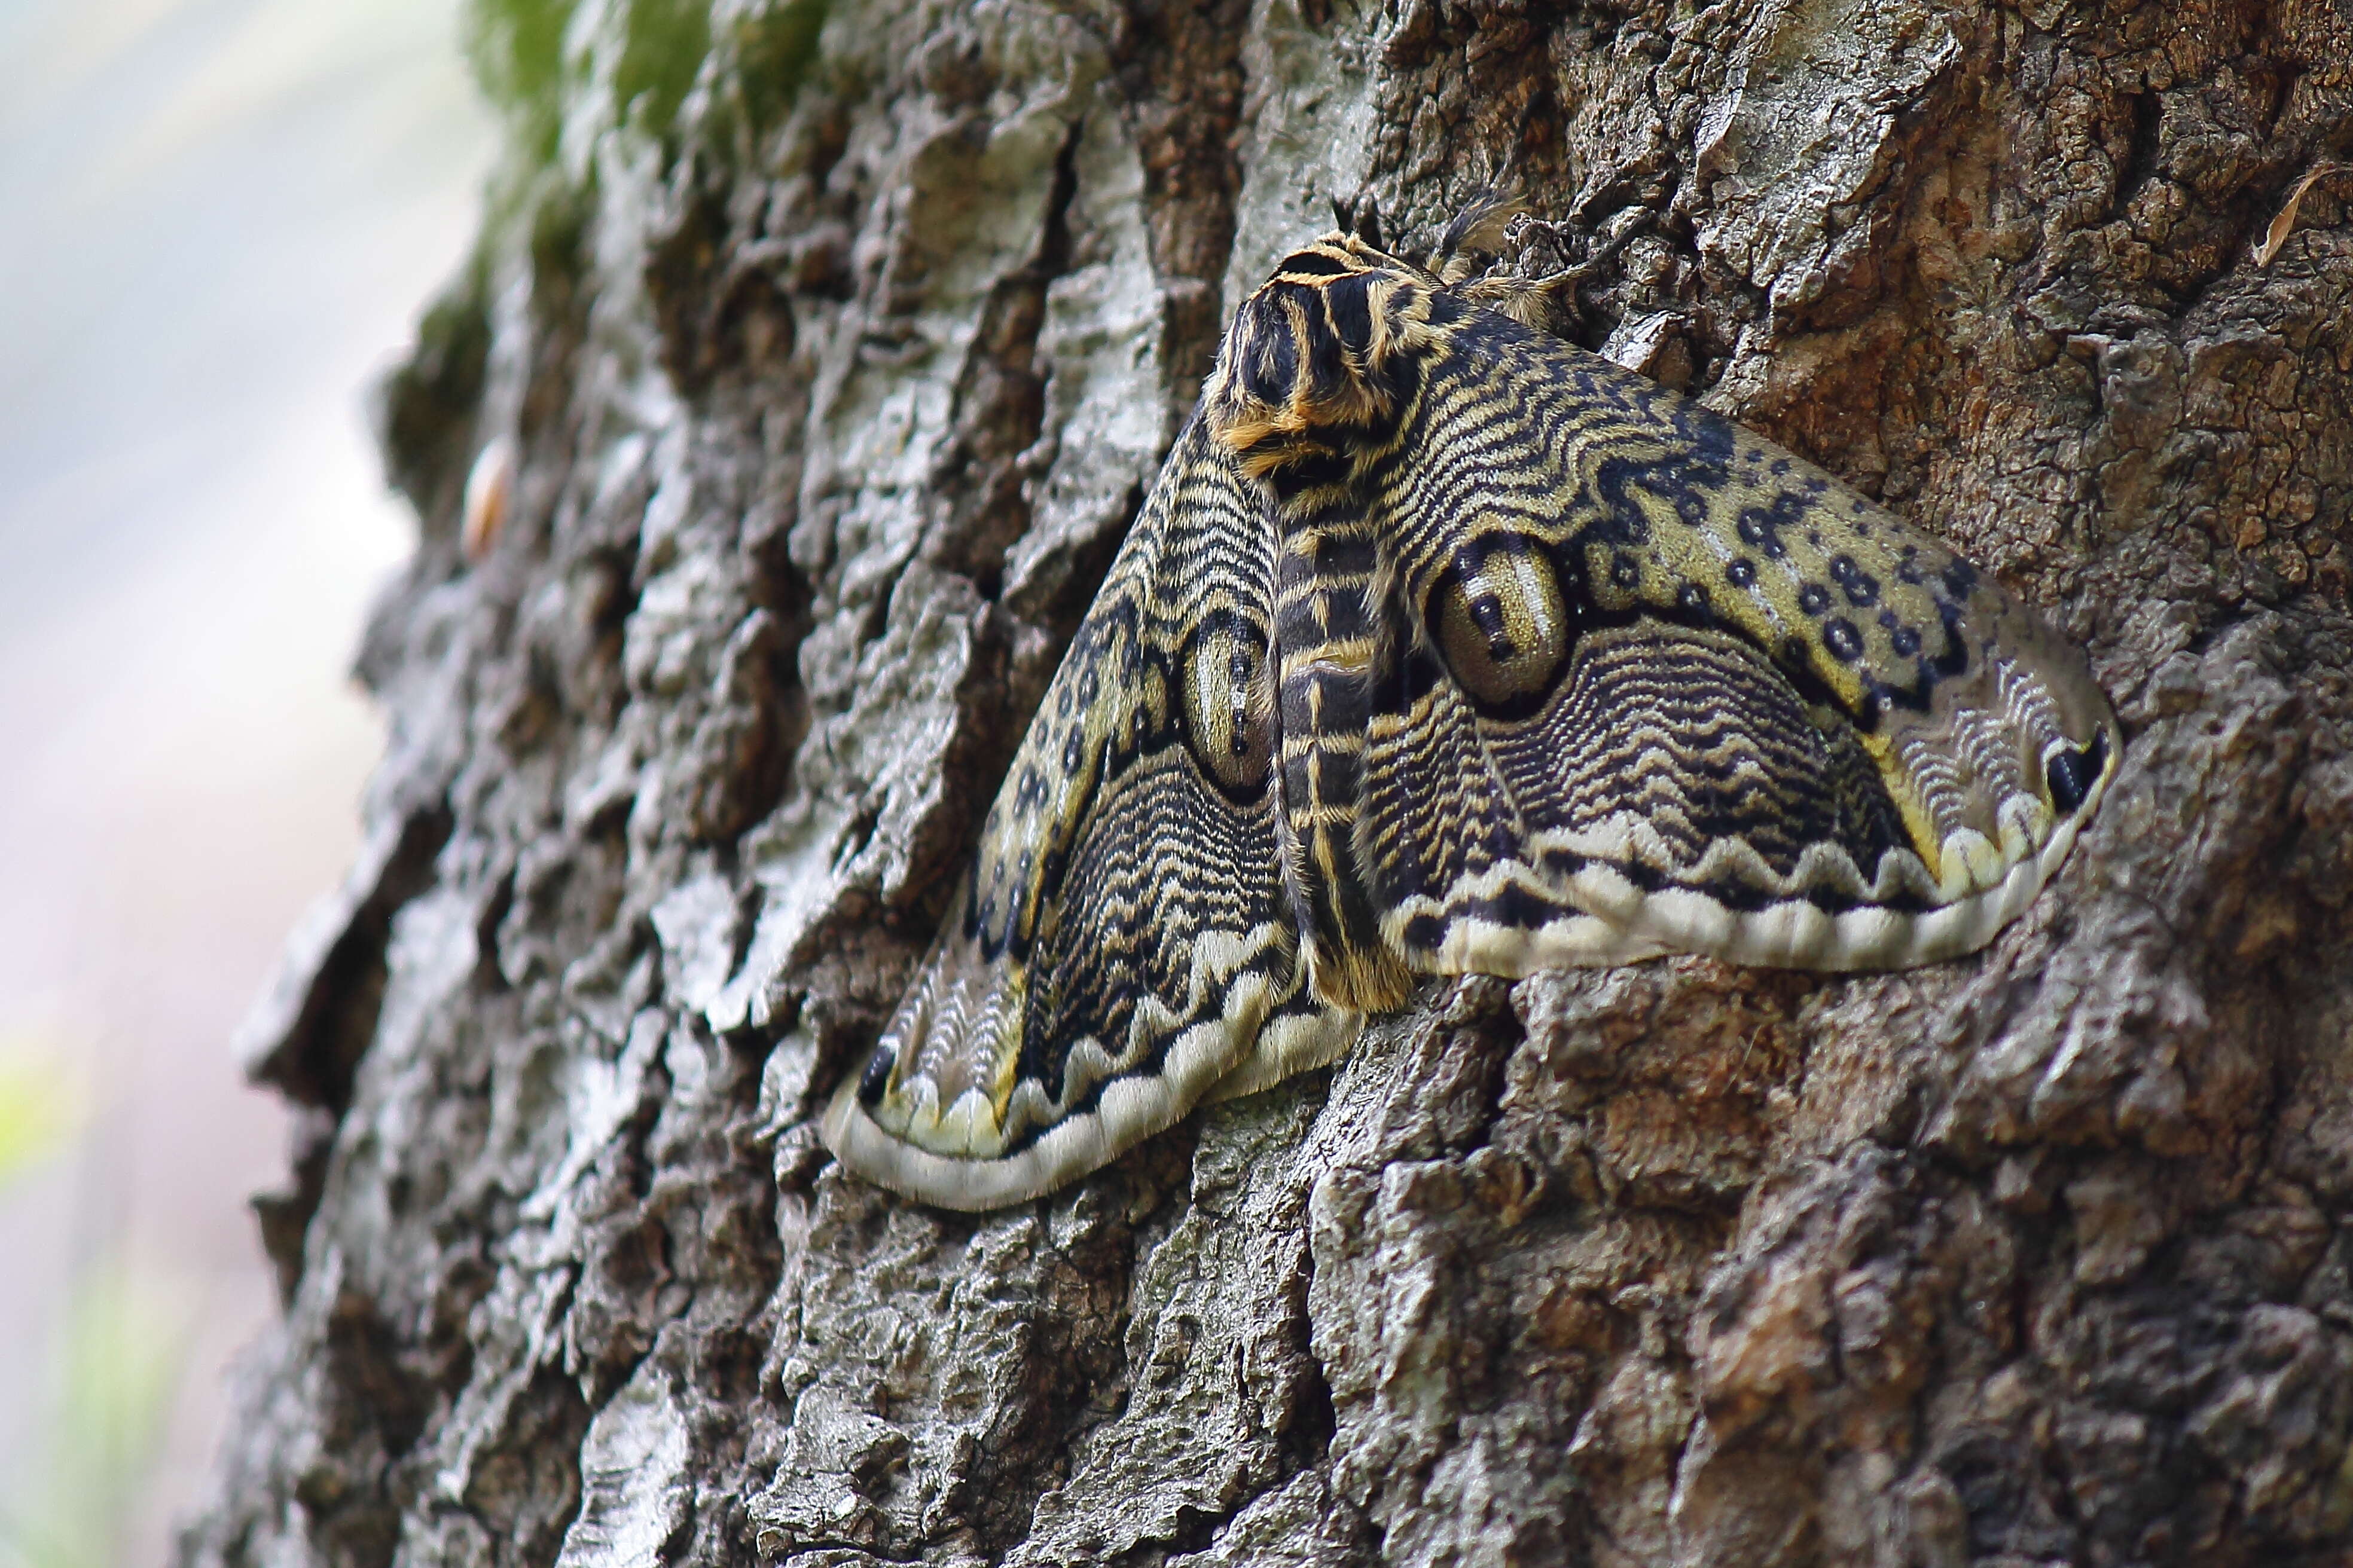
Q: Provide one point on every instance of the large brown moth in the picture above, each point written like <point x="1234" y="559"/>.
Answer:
<point x="1443" y="647"/>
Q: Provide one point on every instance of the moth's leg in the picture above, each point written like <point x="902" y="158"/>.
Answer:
<point x="1548" y="303"/>
<point x="1475" y="235"/>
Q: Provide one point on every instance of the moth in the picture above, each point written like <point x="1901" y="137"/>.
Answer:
<point x="1442" y="646"/>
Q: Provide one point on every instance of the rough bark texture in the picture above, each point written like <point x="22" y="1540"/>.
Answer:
<point x="840" y="340"/>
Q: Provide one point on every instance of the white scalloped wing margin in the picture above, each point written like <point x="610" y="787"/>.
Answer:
<point x="1128" y="1111"/>
<point x="1792" y="935"/>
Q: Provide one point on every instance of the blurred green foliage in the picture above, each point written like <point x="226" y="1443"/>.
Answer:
<point x="666" y="42"/>
<point x="522" y="49"/>
<point x="519" y="49"/>
<point x="39" y="1107"/>
<point x="117" y="1358"/>
<point x="113" y="1360"/>
<point x="773" y="51"/>
<point x="516" y="48"/>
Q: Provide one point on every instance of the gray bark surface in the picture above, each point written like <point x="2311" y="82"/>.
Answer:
<point x="839" y="341"/>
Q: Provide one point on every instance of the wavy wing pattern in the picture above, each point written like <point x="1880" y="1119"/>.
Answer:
<point x="1442" y="646"/>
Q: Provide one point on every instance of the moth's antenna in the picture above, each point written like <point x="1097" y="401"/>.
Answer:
<point x="1476" y="232"/>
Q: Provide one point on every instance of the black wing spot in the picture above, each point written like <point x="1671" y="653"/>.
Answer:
<point x="1861" y="589"/>
<point x="1843" y="640"/>
<point x="1762" y="530"/>
<point x="1813" y="599"/>
<point x="876" y="1079"/>
<point x="2072" y="773"/>
<point x="1741" y="573"/>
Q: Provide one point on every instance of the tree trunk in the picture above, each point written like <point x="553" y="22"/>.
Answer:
<point x="834" y="343"/>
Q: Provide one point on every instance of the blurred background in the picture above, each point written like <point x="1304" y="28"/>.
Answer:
<point x="218" y="219"/>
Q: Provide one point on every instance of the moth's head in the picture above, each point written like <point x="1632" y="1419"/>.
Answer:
<point x="1321" y="359"/>
<point x="1318" y="362"/>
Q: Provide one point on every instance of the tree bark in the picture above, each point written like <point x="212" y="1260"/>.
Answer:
<point x="836" y="342"/>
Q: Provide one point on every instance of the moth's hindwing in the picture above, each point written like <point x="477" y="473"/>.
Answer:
<point x="1631" y="679"/>
<point x="1125" y="940"/>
